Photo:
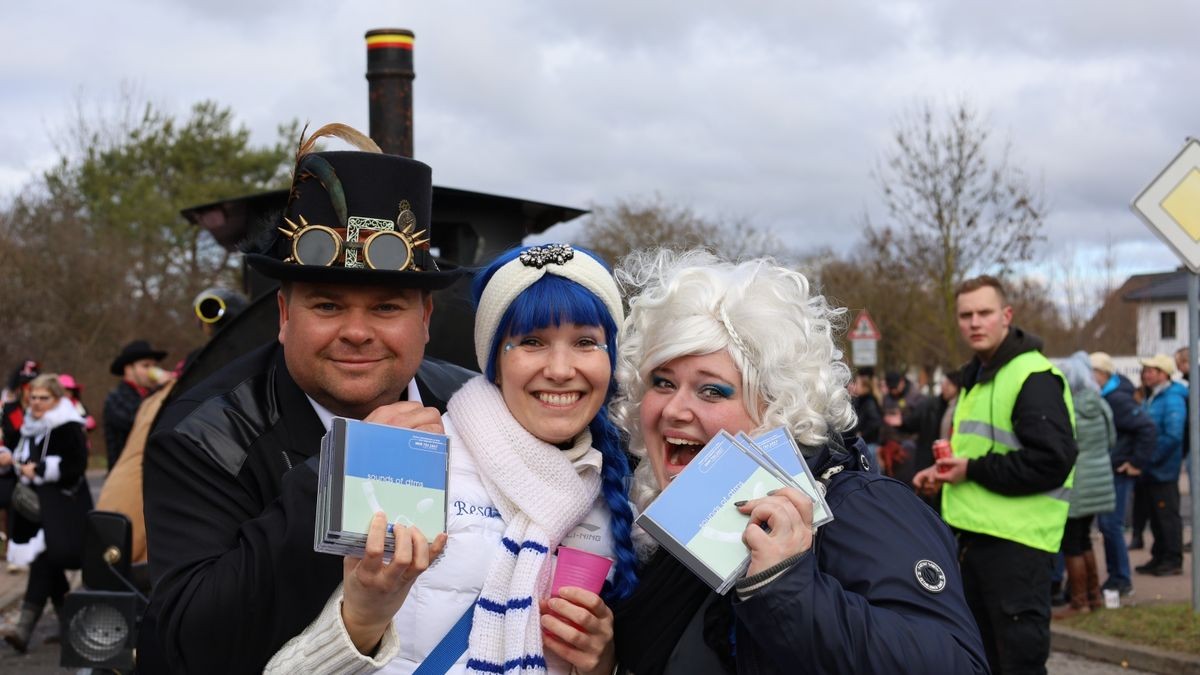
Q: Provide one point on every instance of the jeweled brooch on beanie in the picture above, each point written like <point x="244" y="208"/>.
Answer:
<point x="540" y="256"/>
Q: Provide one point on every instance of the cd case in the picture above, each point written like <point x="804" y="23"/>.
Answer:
<point x="695" y="518"/>
<point x="365" y="468"/>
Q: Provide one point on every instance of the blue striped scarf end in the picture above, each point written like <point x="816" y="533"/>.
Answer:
<point x="515" y="548"/>
<point x="527" y="662"/>
<point x="501" y="608"/>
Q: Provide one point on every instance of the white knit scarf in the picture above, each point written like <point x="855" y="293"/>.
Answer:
<point x="62" y="413"/>
<point x="541" y="498"/>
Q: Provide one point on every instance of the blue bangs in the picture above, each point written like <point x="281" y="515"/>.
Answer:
<point x="550" y="301"/>
<point x="553" y="301"/>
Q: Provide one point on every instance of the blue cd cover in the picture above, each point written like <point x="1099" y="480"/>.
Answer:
<point x="366" y="468"/>
<point x="695" y="518"/>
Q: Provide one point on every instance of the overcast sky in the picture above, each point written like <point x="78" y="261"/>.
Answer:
<point x="773" y="112"/>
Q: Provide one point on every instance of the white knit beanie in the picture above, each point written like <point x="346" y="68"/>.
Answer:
<point x="521" y="272"/>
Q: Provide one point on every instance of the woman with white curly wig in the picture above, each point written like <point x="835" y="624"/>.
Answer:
<point x="711" y="345"/>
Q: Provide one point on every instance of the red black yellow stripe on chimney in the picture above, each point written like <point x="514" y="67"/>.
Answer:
<point x="390" y="41"/>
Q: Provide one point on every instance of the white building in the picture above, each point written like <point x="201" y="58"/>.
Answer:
<point x="1162" y="316"/>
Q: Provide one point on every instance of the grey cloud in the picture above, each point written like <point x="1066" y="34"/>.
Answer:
<point x="775" y="113"/>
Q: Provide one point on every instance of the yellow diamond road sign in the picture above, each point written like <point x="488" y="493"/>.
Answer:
<point x="1170" y="205"/>
<point x="1183" y="204"/>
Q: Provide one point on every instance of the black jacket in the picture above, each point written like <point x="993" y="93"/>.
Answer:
<point x="120" y="407"/>
<point x="10" y="423"/>
<point x="230" y="492"/>
<point x="870" y="417"/>
<point x="855" y="602"/>
<point x="926" y="421"/>
<point x="1137" y="437"/>
<point x="1040" y="420"/>
<point x="65" y="502"/>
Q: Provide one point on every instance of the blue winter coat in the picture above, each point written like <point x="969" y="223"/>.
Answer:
<point x="1168" y="410"/>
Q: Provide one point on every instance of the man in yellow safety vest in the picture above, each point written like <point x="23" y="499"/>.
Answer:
<point x="1005" y="487"/>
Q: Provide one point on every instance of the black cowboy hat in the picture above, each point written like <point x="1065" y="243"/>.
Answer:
<point x="340" y="198"/>
<point x="134" y="351"/>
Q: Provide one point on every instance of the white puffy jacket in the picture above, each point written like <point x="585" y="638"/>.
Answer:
<point x="442" y="593"/>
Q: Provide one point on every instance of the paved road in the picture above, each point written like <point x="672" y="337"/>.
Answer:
<point x="1070" y="664"/>
<point x="43" y="660"/>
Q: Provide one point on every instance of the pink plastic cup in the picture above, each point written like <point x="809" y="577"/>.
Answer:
<point x="579" y="568"/>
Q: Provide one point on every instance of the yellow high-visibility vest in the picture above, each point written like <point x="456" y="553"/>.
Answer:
<point x="983" y="425"/>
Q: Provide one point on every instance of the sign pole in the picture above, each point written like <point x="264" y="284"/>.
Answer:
<point x="1170" y="207"/>
<point x="1194" y="423"/>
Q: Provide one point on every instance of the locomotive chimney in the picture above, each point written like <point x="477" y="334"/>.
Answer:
<point x="389" y="78"/>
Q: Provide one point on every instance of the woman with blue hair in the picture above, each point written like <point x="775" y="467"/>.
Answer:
<point x="534" y="463"/>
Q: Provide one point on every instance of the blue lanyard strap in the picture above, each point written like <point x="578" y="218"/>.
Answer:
<point x="452" y="646"/>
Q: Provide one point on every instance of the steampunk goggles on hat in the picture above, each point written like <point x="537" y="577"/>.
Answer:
<point x="365" y="242"/>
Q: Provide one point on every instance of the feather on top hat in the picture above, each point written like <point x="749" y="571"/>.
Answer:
<point x="355" y="218"/>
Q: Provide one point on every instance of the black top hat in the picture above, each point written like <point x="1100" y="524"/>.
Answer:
<point x="134" y="351"/>
<point x="356" y="218"/>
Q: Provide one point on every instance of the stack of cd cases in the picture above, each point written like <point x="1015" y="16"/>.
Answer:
<point x="366" y="468"/>
<point x="696" y="517"/>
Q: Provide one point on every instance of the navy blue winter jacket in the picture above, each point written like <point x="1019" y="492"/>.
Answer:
<point x="879" y="592"/>
<point x="1136" y="435"/>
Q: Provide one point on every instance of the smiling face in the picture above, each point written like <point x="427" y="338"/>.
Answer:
<point x="353" y="348"/>
<point x="690" y="399"/>
<point x="554" y="379"/>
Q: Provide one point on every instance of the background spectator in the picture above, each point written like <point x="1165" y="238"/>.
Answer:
<point x="1166" y="403"/>
<point x="135" y="365"/>
<point x="1092" y="492"/>
<point x="1136" y="439"/>
<point x="866" y="408"/>
<point x="51" y="457"/>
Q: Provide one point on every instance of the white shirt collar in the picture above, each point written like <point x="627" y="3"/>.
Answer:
<point x="583" y="455"/>
<point x="326" y="416"/>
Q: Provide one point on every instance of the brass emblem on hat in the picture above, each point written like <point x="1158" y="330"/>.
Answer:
<point x="407" y="220"/>
<point x="354" y="227"/>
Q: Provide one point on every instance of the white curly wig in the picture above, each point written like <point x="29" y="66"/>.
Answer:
<point x="777" y="331"/>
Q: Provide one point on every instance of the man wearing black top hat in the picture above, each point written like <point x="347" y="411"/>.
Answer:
<point x="230" y="470"/>
<point x="135" y="365"/>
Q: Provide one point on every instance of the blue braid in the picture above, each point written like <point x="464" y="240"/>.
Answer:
<point x="616" y="496"/>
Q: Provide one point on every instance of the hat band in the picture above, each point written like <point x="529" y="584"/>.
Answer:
<point x="520" y="273"/>
<point x="372" y="243"/>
